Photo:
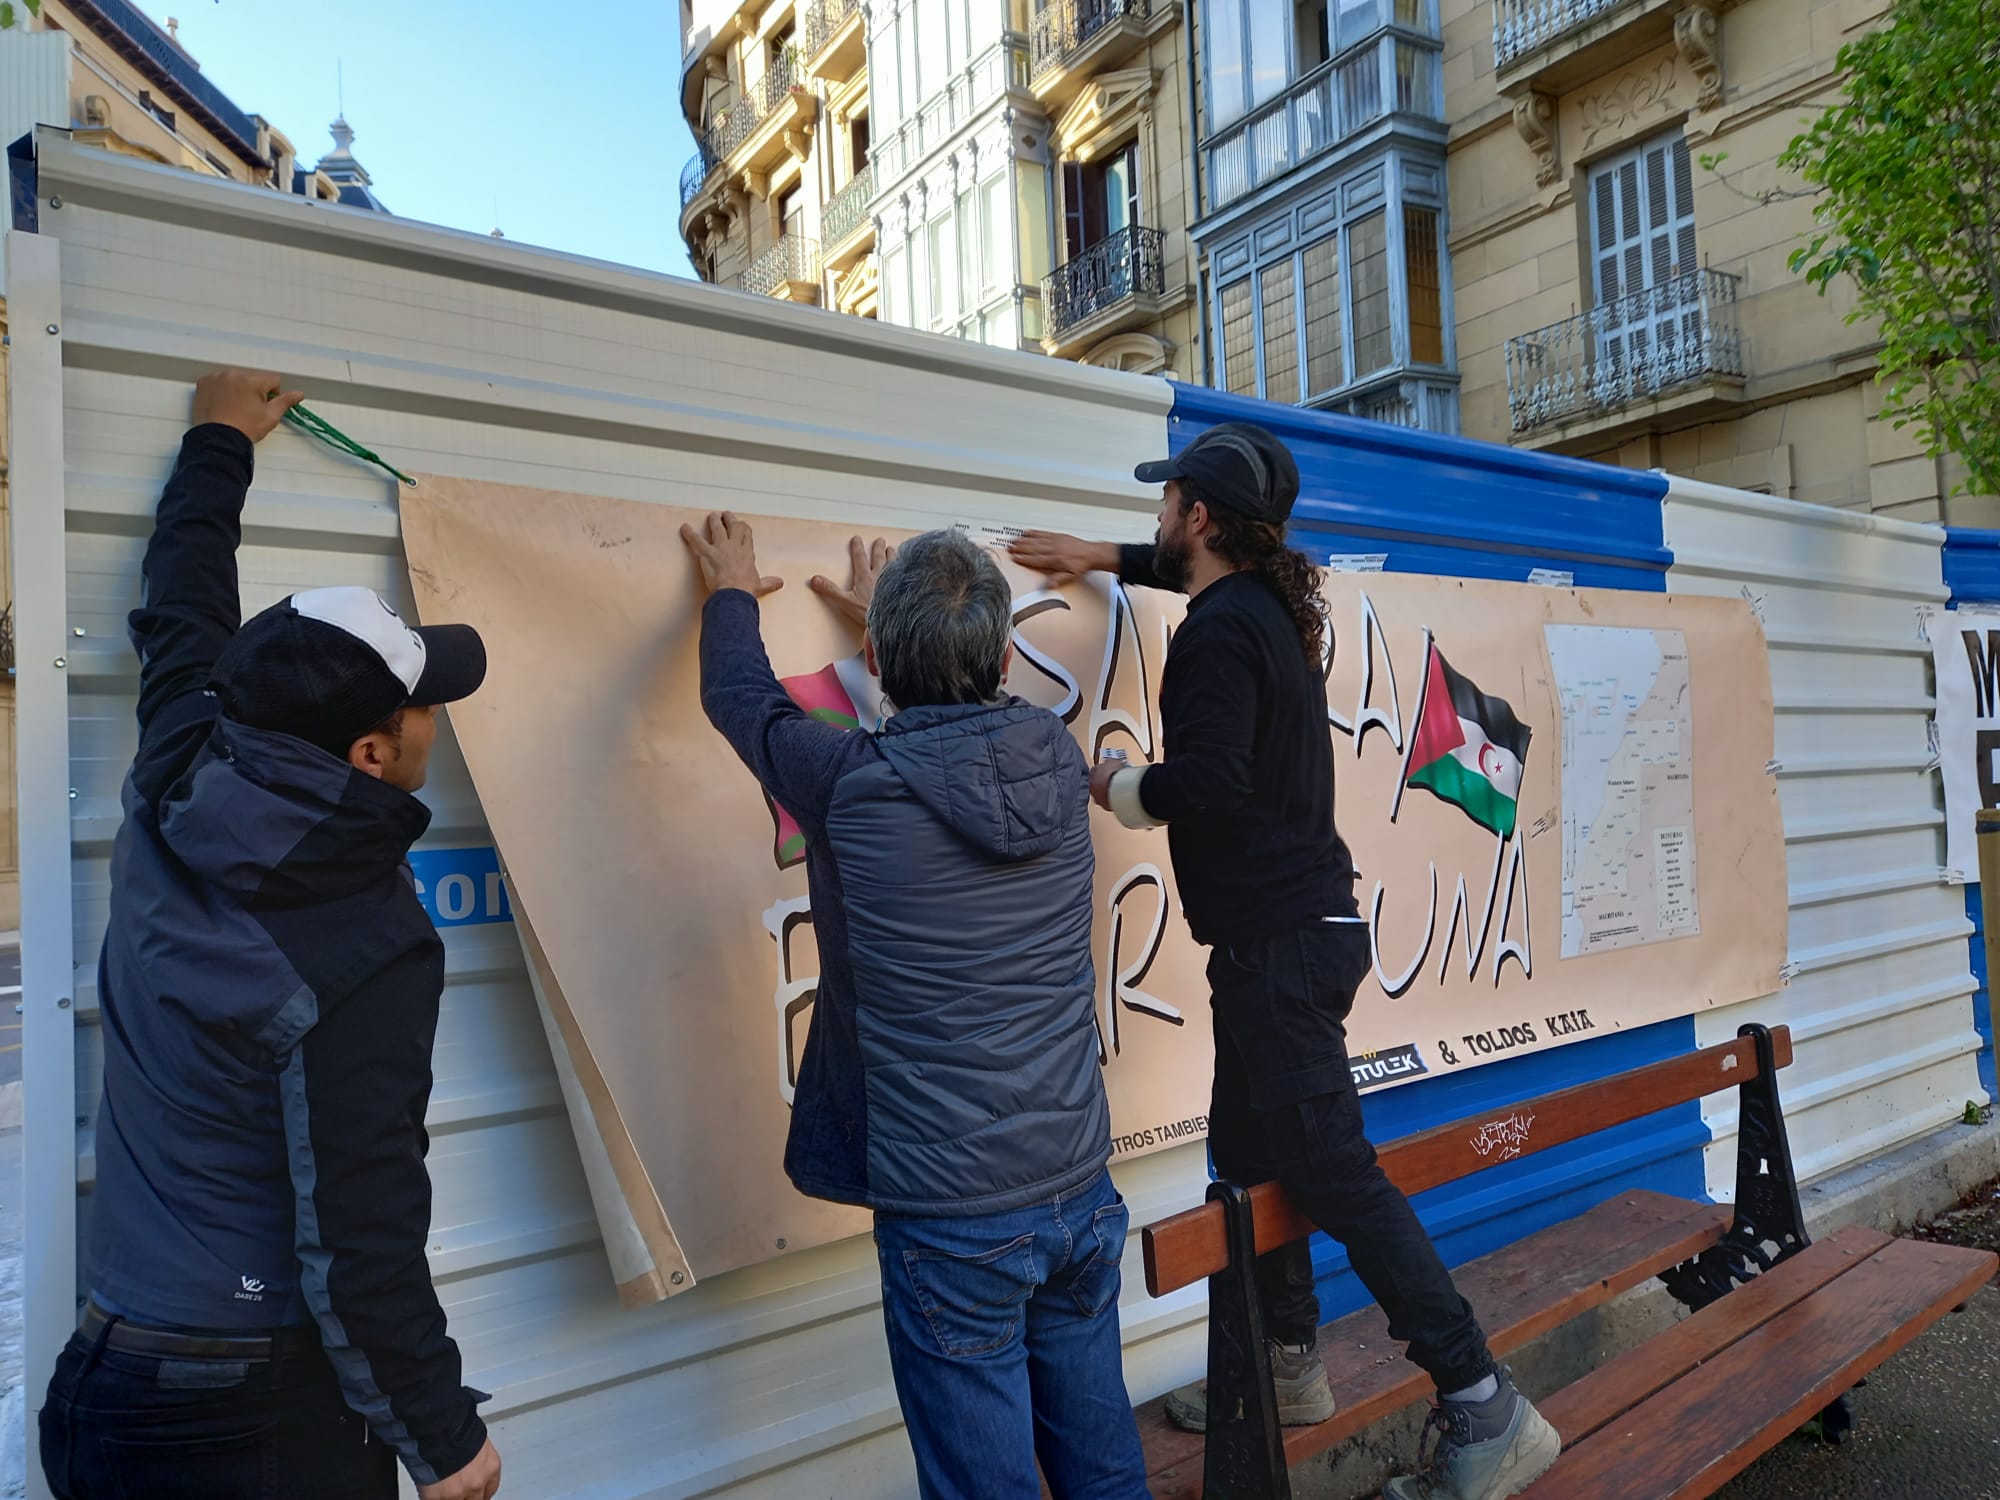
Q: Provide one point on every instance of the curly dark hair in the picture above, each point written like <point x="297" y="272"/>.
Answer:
<point x="1287" y="572"/>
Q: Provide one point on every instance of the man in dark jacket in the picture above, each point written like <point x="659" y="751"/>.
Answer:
<point x="1245" y="792"/>
<point x="261" y="1320"/>
<point x="950" y="1079"/>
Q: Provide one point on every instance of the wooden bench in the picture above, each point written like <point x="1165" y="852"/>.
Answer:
<point x="1781" y="1328"/>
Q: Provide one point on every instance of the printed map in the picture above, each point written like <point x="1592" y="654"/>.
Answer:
<point x="1628" y="858"/>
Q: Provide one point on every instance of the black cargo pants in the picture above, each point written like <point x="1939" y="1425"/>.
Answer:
<point x="1285" y="1108"/>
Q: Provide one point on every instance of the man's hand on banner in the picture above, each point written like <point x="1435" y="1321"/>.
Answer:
<point x="727" y="553"/>
<point x="1062" y="557"/>
<point x="867" y="561"/>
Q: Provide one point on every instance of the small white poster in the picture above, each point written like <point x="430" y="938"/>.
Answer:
<point x="1965" y="647"/>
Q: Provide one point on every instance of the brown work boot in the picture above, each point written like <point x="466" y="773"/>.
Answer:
<point x="1304" y="1397"/>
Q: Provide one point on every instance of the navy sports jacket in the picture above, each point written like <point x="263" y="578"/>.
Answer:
<point x="270" y="987"/>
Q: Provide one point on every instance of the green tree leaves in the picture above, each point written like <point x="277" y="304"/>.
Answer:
<point x="1908" y="173"/>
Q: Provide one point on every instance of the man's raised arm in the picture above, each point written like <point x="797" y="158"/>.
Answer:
<point x="190" y="605"/>
<point x="1066" y="557"/>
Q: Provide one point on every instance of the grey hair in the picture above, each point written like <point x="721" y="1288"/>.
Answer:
<point x="941" y="619"/>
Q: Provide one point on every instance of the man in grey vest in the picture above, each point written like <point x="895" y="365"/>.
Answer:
<point x="950" y="1078"/>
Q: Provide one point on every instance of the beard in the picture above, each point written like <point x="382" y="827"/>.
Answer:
<point x="1170" y="560"/>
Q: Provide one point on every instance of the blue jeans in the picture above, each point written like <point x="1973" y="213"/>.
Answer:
<point x="1003" y="1337"/>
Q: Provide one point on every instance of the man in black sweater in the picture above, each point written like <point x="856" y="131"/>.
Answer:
<point x="1245" y="791"/>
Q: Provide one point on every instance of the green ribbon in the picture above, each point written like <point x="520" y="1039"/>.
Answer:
<point x="314" y="425"/>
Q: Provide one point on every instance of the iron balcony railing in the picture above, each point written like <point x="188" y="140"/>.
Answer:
<point x="1633" y="347"/>
<point x="847" y="210"/>
<point x="1392" y="75"/>
<point x="695" y="173"/>
<point x="823" y="20"/>
<point x="793" y="258"/>
<point x="1524" y="26"/>
<point x="1131" y="262"/>
<point x="739" y="122"/>
<point x="1064" y="28"/>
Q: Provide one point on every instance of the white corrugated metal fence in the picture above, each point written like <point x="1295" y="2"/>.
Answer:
<point x="1880" y="995"/>
<point x="457" y="355"/>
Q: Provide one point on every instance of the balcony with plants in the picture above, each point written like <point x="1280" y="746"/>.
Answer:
<point x="774" y="118"/>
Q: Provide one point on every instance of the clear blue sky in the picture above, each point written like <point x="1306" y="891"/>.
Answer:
<point x="557" y="124"/>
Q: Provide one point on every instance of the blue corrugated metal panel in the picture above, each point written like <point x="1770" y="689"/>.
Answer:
<point x="1972" y="565"/>
<point x="1972" y="573"/>
<point x="1445" y="505"/>
<point x="1982" y="997"/>
<point x="1450" y="505"/>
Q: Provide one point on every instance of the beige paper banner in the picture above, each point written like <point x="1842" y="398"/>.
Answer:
<point x="672" y="918"/>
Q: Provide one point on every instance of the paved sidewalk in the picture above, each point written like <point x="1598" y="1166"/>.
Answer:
<point x="15" y="1407"/>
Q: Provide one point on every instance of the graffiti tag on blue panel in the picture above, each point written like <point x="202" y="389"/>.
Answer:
<point x="461" y="887"/>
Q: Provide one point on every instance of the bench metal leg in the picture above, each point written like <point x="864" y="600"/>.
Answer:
<point x="1770" y="1224"/>
<point x="1245" y="1455"/>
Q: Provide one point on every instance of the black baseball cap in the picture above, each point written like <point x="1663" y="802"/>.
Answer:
<point x="1238" y="466"/>
<point x="328" y="665"/>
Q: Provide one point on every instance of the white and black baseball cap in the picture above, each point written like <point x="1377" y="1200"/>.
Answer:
<point x="328" y="665"/>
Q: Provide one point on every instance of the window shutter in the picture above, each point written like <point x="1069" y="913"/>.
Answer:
<point x="1073" y="191"/>
<point x="1643" y="221"/>
<point x="1683" y="207"/>
<point x="1605" y="221"/>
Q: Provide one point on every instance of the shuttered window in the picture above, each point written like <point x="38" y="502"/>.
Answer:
<point x="1642" y="225"/>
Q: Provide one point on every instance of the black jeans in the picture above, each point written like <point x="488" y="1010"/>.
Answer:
<point x="1285" y="1108"/>
<point x="120" y="1426"/>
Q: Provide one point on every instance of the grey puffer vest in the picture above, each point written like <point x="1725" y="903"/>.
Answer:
<point x="965" y="861"/>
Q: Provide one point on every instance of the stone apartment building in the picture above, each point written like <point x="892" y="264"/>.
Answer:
<point x="1553" y="223"/>
<point x="119" y="82"/>
<point x="988" y="169"/>
<point x="1622" y="294"/>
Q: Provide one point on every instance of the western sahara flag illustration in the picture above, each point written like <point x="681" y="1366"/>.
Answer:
<point x="841" y="694"/>
<point x="1468" y="747"/>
